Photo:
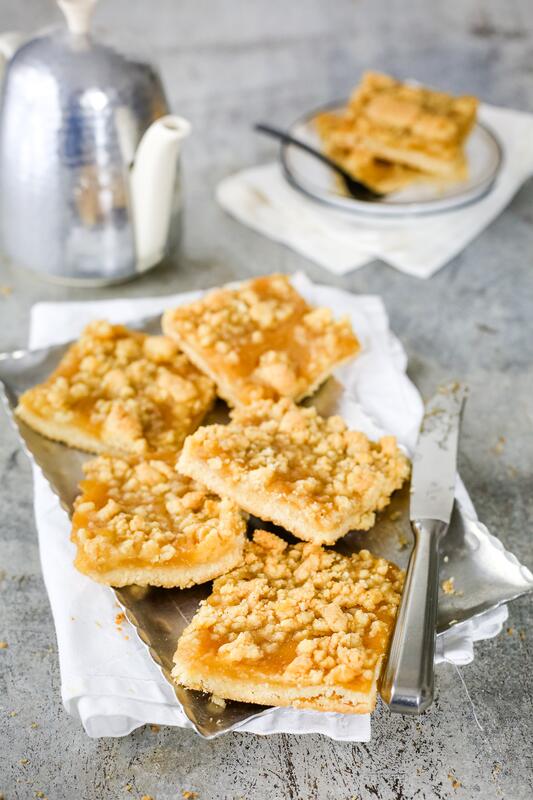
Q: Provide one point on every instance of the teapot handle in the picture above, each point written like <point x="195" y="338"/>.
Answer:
<point x="10" y="42"/>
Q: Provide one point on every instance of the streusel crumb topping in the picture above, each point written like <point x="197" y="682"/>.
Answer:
<point x="144" y="512"/>
<point x="261" y="339"/>
<point x="411" y="115"/>
<point x="133" y="392"/>
<point x="314" y="470"/>
<point x="304" y="613"/>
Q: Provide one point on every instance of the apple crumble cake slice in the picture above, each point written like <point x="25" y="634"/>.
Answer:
<point x="286" y="464"/>
<point x="261" y="340"/>
<point x="139" y="521"/>
<point x="378" y="174"/>
<point x="119" y="391"/>
<point x="409" y="124"/>
<point x="294" y="625"/>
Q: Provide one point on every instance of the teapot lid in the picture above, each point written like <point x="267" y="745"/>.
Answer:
<point x="68" y="68"/>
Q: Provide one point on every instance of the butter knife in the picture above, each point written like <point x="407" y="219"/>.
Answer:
<point x="408" y="678"/>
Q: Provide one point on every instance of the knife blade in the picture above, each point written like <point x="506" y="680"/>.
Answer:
<point x="435" y="458"/>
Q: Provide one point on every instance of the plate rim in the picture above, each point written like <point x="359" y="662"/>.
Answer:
<point x="389" y="210"/>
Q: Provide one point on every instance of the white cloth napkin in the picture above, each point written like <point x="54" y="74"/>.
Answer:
<point x="108" y="679"/>
<point x="262" y="199"/>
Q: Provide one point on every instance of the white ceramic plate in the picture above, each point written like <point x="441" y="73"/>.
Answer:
<point x="308" y="175"/>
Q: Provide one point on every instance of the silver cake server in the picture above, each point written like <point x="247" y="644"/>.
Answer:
<point x="408" y="678"/>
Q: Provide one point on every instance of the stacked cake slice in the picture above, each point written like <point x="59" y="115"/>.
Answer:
<point x="392" y="134"/>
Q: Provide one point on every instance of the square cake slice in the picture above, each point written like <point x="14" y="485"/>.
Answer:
<point x="286" y="464"/>
<point x="261" y="340"/>
<point x="119" y="391"/>
<point x="336" y="133"/>
<point x="412" y="125"/>
<point x="141" y="522"/>
<point x="294" y="625"/>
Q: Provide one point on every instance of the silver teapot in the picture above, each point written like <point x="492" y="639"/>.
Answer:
<point x="89" y="157"/>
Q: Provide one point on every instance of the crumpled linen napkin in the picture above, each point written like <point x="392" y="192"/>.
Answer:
<point x="108" y="679"/>
<point x="261" y="198"/>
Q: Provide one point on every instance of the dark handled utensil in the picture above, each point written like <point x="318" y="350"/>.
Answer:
<point x="407" y="684"/>
<point x="357" y="189"/>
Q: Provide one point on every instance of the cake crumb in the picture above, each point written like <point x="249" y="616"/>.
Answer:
<point x="448" y="586"/>
<point x="147" y="797"/>
<point x="187" y="795"/>
<point x="24" y="761"/>
<point x="3" y="645"/>
<point x="498" y="447"/>
<point x="456" y="784"/>
<point x="34" y="725"/>
<point x="510" y="631"/>
<point x="522" y="635"/>
<point x="402" y="541"/>
<point x="119" y="619"/>
<point x="40" y="794"/>
<point x="155" y="728"/>
<point x="5" y="291"/>
<point x="13" y="713"/>
<point x="218" y="701"/>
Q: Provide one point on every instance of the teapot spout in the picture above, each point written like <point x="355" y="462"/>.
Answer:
<point x="152" y="180"/>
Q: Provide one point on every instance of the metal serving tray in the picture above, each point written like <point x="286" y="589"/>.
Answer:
<point x="485" y="574"/>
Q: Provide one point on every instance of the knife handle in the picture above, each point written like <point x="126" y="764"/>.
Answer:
<point x="407" y="683"/>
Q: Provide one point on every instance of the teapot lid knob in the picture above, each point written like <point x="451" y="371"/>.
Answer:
<point x="78" y="14"/>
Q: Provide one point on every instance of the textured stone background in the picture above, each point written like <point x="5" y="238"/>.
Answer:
<point x="227" y="64"/>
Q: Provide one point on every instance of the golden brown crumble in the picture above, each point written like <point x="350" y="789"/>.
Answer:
<point x="499" y="446"/>
<point x="120" y="391"/>
<point x="448" y="586"/>
<point x="261" y="340"/>
<point x="284" y="463"/>
<point x="456" y="784"/>
<point x="299" y="614"/>
<point x="218" y="701"/>
<point x="135" y="512"/>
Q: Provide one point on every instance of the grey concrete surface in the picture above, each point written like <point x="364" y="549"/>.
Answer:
<point x="227" y="64"/>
